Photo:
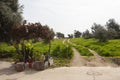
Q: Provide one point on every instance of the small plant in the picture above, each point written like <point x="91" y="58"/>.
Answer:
<point x="24" y="52"/>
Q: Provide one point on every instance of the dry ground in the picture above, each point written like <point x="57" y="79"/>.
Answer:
<point x="7" y="72"/>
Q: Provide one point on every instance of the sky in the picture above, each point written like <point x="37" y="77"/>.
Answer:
<point x="68" y="15"/>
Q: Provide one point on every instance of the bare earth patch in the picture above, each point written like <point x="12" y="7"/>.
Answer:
<point x="7" y="72"/>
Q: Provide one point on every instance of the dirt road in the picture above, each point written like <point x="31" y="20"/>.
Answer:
<point x="96" y="60"/>
<point x="101" y="61"/>
<point x="77" y="59"/>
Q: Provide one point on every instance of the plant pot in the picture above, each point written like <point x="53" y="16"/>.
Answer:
<point x="38" y="65"/>
<point x="50" y="61"/>
<point x="46" y="64"/>
<point x="20" y="66"/>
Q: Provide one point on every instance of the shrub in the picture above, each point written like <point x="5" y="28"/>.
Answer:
<point x="62" y="52"/>
<point x="6" y="50"/>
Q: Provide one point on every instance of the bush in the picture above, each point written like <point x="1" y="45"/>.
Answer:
<point x="62" y="52"/>
<point x="83" y="51"/>
<point x="6" y="50"/>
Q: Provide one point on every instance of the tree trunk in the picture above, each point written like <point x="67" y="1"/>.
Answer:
<point x="49" y="48"/>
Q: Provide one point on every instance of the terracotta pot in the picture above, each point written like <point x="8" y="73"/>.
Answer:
<point x="20" y="66"/>
<point x="38" y="65"/>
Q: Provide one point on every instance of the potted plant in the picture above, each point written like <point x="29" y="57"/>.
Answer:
<point x="39" y="61"/>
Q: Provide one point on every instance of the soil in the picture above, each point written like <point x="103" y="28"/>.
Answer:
<point x="7" y="72"/>
<point x="95" y="61"/>
<point x="77" y="59"/>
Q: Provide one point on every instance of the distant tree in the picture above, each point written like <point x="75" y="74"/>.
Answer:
<point x="112" y="34"/>
<point x="60" y="35"/>
<point x="86" y="34"/>
<point x="99" y="32"/>
<point x="70" y="35"/>
<point x="112" y="25"/>
<point x="77" y="34"/>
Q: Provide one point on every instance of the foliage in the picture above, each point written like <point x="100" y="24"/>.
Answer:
<point x="24" y="51"/>
<point x="109" y="49"/>
<point x="70" y="35"/>
<point x="10" y="14"/>
<point x="99" y="32"/>
<point x="86" y="34"/>
<point x="62" y="52"/>
<point x="77" y="34"/>
<point x="6" y="50"/>
<point x="58" y="62"/>
<point x="114" y="28"/>
<point x="83" y="51"/>
<point x="59" y="35"/>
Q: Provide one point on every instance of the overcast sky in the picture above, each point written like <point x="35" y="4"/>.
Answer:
<point x="68" y="15"/>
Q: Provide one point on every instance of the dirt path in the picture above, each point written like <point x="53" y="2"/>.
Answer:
<point x="101" y="61"/>
<point x="64" y="42"/>
<point x="77" y="59"/>
<point x="97" y="60"/>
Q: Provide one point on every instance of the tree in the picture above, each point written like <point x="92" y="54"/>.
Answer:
<point x="99" y="32"/>
<point x="112" y="25"/>
<point x="70" y="35"/>
<point x="48" y="35"/>
<point x="10" y="14"/>
<point x="20" y="33"/>
<point x="112" y="34"/>
<point x="77" y="34"/>
<point x="60" y="35"/>
<point x="86" y="34"/>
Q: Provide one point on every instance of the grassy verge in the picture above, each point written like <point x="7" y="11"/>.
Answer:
<point x="83" y="51"/>
<point x="108" y="49"/>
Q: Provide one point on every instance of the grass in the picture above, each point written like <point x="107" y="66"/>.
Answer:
<point x="108" y="49"/>
<point x="61" y="53"/>
<point x="82" y="50"/>
<point x="6" y="50"/>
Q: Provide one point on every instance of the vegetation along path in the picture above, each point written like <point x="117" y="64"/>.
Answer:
<point x="101" y="61"/>
<point x="77" y="59"/>
<point x="96" y="60"/>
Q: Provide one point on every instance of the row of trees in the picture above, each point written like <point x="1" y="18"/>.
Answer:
<point x="76" y="34"/>
<point x="110" y="31"/>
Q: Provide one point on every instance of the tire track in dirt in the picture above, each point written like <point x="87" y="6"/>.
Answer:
<point x="96" y="60"/>
<point x="102" y="61"/>
<point x="77" y="59"/>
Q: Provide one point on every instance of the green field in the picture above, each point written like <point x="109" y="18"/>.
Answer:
<point x="61" y="53"/>
<point x="82" y="50"/>
<point x="110" y="48"/>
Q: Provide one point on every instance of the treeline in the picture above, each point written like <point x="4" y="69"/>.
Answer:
<point x="111" y="30"/>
